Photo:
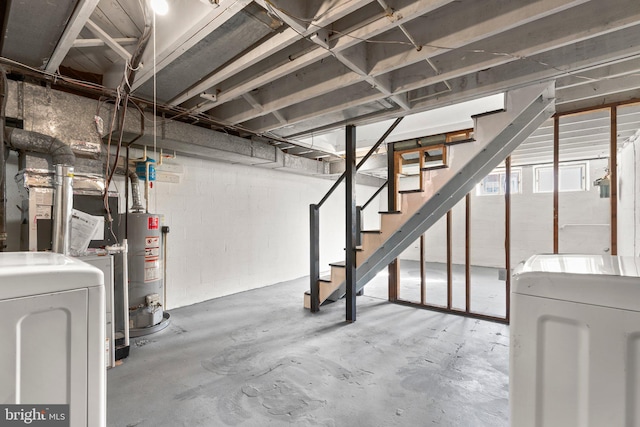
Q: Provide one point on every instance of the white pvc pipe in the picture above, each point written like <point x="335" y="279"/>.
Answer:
<point x="125" y="289"/>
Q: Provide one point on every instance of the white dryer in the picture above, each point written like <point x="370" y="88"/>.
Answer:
<point x="575" y="341"/>
<point x="52" y="334"/>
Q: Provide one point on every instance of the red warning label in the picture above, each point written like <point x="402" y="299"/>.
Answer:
<point x="154" y="223"/>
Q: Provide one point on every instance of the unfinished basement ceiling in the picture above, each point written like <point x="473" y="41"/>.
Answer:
<point x="290" y="69"/>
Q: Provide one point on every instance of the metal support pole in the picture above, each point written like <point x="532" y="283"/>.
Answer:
<point x="556" y="167"/>
<point x="358" y="225"/>
<point x="391" y="178"/>
<point x="507" y="236"/>
<point x="449" y="259"/>
<point x="314" y="256"/>
<point x="350" y="204"/>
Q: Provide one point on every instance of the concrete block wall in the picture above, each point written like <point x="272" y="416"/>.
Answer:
<point x="583" y="224"/>
<point x="235" y="228"/>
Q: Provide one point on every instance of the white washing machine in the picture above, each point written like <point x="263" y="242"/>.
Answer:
<point x="575" y="341"/>
<point x="52" y="334"/>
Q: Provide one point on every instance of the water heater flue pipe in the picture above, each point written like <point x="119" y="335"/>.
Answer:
<point x="62" y="209"/>
<point x="63" y="159"/>
<point x="135" y="191"/>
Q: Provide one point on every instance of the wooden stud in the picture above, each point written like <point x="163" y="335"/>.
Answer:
<point x="467" y="253"/>
<point x="613" y="178"/>
<point x="394" y="280"/>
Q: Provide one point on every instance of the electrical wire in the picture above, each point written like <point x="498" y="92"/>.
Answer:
<point x="155" y="113"/>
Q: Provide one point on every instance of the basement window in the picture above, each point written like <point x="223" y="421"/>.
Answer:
<point x="495" y="183"/>
<point x="571" y="177"/>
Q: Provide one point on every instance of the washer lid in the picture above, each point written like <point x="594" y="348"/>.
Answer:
<point x="34" y="273"/>
<point x="604" y="280"/>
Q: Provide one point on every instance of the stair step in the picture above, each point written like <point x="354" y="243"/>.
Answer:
<point x="358" y="249"/>
<point x="325" y="279"/>
<point x="389" y="212"/>
<point x="411" y="191"/>
<point x="488" y="113"/>
<point x="337" y="264"/>
<point x="371" y="231"/>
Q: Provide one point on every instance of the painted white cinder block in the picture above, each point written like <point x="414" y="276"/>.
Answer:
<point x="235" y="228"/>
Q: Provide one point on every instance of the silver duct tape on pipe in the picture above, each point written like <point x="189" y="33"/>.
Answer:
<point x="20" y="139"/>
<point x="62" y="209"/>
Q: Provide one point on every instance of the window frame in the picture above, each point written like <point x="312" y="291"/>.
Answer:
<point x="563" y="165"/>
<point x="501" y="172"/>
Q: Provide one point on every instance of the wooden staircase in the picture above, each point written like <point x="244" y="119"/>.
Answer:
<point x="496" y="136"/>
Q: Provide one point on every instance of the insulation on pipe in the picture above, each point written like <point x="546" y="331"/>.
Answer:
<point x="135" y="192"/>
<point x="23" y="140"/>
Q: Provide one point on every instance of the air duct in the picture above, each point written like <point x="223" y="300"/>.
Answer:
<point x="23" y="140"/>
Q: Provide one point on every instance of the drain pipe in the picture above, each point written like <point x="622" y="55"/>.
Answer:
<point x="3" y="162"/>
<point x="63" y="159"/>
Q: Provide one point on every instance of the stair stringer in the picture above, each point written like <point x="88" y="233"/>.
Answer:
<point x="526" y="109"/>
<point x="496" y="137"/>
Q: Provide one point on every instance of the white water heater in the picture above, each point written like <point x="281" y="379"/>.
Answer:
<point x="146" y="274"/>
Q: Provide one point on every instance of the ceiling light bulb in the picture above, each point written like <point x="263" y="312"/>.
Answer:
<point x="160" y="7"/>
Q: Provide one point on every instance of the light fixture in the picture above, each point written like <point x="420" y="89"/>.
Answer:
<point x="160" y="7"/>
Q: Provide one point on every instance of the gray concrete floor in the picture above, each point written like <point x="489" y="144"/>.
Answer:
<point x="488" y="292"/>
<point x="258" y="359"/>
